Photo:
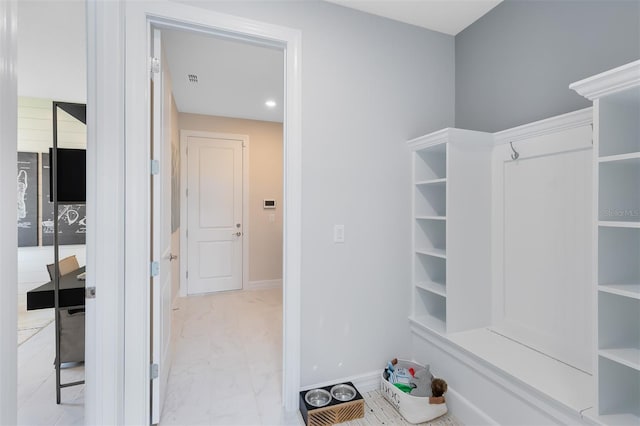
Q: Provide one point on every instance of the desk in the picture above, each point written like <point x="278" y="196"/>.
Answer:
<point x="71" y="293"/>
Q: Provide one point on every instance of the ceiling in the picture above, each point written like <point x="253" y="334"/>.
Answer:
<point x="235" y="79"/>
<point x="52" y="59"/>
<point x="446" y="16"/>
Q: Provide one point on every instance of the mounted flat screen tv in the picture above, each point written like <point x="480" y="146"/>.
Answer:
<point x="71" y="174"/>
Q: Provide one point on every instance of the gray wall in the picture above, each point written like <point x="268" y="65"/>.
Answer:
<point x="368" y="85"/>
<point x="515" y="64"/>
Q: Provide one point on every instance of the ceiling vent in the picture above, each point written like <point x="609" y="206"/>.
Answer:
<point x="193" y="78"/>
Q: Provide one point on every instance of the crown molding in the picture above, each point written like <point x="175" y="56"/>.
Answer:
<point x="570" y="120"/>
<point x="609" y="82"/>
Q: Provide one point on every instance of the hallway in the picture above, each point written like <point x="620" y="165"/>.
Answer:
<point x="227" y="362"/>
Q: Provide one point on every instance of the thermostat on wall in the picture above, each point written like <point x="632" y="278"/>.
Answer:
<point x="269" y="204"/>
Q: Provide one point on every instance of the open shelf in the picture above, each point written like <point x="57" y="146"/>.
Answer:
<point x="431" y="200"/>
<point x="433" y="287"/>
<point x="431" y="310"/>
<point x="613" y="224"/>
<point x="430" y="235"/>
<point x="619" y="192"/>
<point x="619" y="392"/>
<point x="619" y="329"/>
<point x="434" y="252"/>
<point x="431" y="163"/>
<point x="620" y="123"/>
<point x="618" y="254"/>
<point x="622" y="289"/>
<point x="441" y="181"/>
<point x="621" y="158"/>
<point x="430" y="269"/>
<point x="431" y="217"/>
<point x="625" y="356"/>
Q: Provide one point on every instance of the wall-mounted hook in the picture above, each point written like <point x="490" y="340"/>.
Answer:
<point x="515" y="155"/>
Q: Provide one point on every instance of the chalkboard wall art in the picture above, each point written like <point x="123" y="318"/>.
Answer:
<point x="27" y="199"/>
<point x="72" y="218"/>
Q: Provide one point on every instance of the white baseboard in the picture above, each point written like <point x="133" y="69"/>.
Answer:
<point x="363" y="382"/>
<point x="263" y="284"/>
<point x="460" y="407"/>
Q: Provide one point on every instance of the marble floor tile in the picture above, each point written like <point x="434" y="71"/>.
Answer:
<point x="233" y="342"/>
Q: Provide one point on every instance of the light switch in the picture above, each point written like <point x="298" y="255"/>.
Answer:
<point x="338" y="234"/>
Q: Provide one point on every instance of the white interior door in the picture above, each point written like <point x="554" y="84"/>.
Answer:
<point x="161" y="235"/>
<point x="214" y="210"/>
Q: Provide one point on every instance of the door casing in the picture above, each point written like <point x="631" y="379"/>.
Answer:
<point x="246" y="235"/>
<point x="119" y="97"/>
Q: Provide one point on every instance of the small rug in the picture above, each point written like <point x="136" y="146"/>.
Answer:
<point x="377" y="411"/>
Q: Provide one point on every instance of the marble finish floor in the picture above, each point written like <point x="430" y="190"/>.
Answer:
<point x="37" y="384"/>
<point x="227" y="361"/>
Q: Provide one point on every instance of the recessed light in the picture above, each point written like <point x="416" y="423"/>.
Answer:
<point x="270" y="103"/>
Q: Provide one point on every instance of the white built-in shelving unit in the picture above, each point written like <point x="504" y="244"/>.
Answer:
<point x="451" y="222"/>
<point x="616" y="97"/>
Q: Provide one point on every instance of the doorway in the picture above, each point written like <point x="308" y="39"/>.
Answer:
<point x="135" y="380"/>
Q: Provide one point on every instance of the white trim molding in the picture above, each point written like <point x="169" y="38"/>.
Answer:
<point x="263" y="284"/>
<point x="366" y="382"/>
<point x="609" y="82"/>
<point x="8" y="230"/>
<point x="547" y="126"/>
<point x="130" y="25"/>
<point x="444" y="135"/>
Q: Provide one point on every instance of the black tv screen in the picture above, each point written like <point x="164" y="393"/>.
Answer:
<point x="71" y="174"/>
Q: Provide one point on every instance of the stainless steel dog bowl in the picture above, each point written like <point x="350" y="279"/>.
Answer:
<point x="343" y="392"/>
<point x="317" y="397"/>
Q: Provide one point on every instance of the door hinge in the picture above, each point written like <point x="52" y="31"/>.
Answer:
<point x="90" y="293"/>
<point x="187" y="192"/>
<point x="155" y="167"/>
<point x="155" y="269"/>
<point x="154" y="65"/>
<point x="187" y="274"/>
<point x="154" y="371"/>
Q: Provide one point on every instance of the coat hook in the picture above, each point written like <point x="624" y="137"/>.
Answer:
<point x="515" y="155"/>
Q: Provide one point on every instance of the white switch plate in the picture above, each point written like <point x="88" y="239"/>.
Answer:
<point x="338" y="233"/>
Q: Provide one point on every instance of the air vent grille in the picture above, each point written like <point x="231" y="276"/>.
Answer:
<point x="193" y="78"/>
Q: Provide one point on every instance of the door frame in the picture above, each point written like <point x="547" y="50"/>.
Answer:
<point x="8" y="233"/>
<point x="184" y="222"/>
<point x="119" y="106"/>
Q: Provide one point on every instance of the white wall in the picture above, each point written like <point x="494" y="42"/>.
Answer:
<point x="368" y="85"/>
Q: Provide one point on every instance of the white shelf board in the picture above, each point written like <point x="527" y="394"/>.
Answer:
<point x="565" y="384"/>
<point x="435" y="252"/>
<point x="433" y="287"/>
<point x="632" y="156"/>
<point x="612" y="419"/>
<point x="619" y="224"/>
<point x="629" y="357"/>
<point x="431" y="217"/>
<point x="622" y="289"/>
<point x="439" y="181"/>
<point x="429" y="322"/>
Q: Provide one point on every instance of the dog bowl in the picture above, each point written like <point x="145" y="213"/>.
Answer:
<point x="318" y="397"/>
<point x="343" y="392"/>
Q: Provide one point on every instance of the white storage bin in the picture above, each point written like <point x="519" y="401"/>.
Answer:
<point x="414" y="409"/>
